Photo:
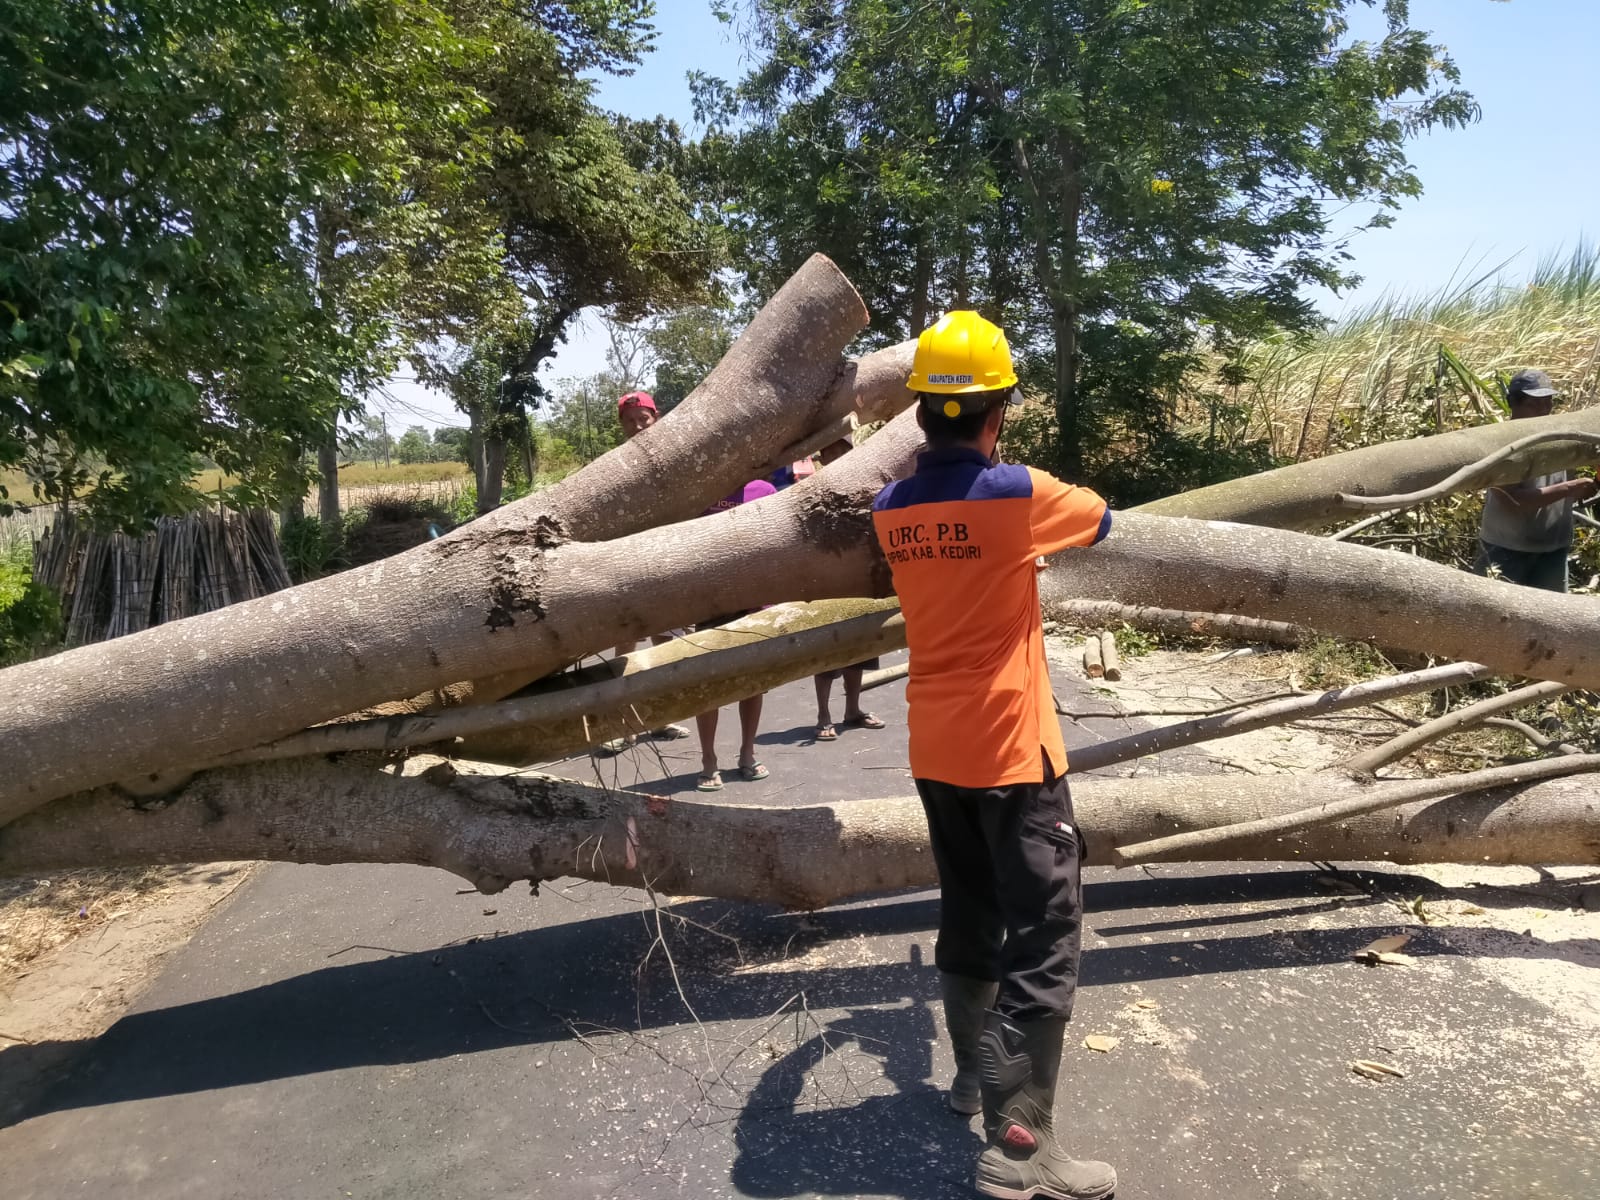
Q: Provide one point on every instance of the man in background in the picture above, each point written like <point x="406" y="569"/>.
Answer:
<point x="1526" y="532"/>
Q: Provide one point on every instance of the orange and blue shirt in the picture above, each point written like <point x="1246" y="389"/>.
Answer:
<point x="961" y="536"/>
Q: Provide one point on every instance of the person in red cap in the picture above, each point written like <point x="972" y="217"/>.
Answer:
<point x="637" y="412"/>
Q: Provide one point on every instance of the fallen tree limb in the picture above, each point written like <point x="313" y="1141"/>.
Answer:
<point x="495" y="829"/>
<point x="1532" y="735"/>
<point x="1306" y="495"/>
<point x="1093" y="614"/>
<point x="1206" y="843"/>
<point x="629" y="694"/>
<point x="1473" y="475"/>
<point x="1368" y="762"/>
<point x="1393" y="600"/>
<point x="1278" y="712"/>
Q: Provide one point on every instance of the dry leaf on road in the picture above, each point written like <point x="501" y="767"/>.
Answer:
<point x="1376" y="1070"/>
<point x="1101" y="1043"/>
<point x="1385" y="950"/>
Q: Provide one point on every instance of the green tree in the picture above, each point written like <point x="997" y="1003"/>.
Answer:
<point x="450" y="444"/>
<point x="687" y="343"/>
<point x="208" y="213"/>
<point x="1127" y="185"/>
<point x="591" y="212"/>
<point x="582" y="419"/>
<point x="414" y="446"/>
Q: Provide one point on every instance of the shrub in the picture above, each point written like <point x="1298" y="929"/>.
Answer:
<point x="30" y="612"/>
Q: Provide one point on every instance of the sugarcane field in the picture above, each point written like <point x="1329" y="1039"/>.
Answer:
<point x="766" y="600"/>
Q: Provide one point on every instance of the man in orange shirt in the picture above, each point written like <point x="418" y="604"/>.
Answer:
<point x="962" y="535"/>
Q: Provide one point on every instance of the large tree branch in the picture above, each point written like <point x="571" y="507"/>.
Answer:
<point x="1306" y="495"/>
<point x="1474" y="475"/>
<point x="629" y="694"/>
<point x="1392" y="599"/>
<point x="496" y="829"/>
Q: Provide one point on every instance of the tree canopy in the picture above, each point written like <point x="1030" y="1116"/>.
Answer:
<point x="1126" y="185"/>
<point x="222" y="222"/>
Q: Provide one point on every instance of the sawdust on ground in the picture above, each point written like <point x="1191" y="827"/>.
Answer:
<point x="1535" y="931"/>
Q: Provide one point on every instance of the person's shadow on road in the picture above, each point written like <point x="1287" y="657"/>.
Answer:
<point x="814" y="1125"/>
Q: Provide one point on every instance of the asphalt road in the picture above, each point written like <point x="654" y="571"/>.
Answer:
<point x="374" y="1032"/>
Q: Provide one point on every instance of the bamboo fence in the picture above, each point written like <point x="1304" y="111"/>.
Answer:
<point x="113" y="584"/>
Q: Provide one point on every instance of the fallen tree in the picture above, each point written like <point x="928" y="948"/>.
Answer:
<point x="1311" y="495"/>
<point x="551" y="603"/>
<point x="493" y="828"/>
<point x="543" y="584"/>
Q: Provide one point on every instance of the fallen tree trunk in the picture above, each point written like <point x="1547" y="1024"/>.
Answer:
<point x="1392" y="599"/>
<point x="494" y="830"/>
<point x="1306" y="495"/>
<point x="629" y="694"/>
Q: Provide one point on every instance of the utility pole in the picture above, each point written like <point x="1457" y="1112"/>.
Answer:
<point x="385" y="439"/>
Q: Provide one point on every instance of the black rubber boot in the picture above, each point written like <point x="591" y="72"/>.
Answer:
<point x="965" y="1001"/>
<point x="1021" y="1060"/>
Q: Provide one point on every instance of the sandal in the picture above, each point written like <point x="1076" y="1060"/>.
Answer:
<point x="752" y="772"/>
<point x="709" y="783"/>
<point x="827" y="733"/>
<point x="863" y="721"/>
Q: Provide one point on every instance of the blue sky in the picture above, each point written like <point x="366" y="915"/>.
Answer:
<point x="1522" y="183"/>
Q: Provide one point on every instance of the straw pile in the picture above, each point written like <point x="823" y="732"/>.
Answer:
<point x="111" y="584"/>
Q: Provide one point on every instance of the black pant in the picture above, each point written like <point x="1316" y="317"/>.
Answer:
<point x="1545" y="569"/>
<point x="1011" y="899"/>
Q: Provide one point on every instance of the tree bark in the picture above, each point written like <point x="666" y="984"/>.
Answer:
<point x="1305" y="496"/>
<point x="493" y="830"/>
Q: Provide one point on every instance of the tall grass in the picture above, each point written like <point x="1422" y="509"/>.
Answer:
<point x="1409" y="365"/>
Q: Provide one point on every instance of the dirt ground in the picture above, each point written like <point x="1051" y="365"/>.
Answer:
<point x="76" y="949"/>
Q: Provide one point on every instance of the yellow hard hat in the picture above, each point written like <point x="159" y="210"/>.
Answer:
<point x="963" y="356"/>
